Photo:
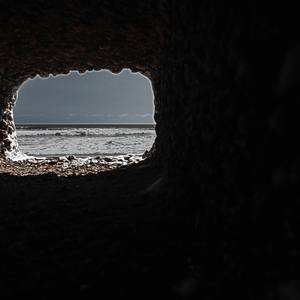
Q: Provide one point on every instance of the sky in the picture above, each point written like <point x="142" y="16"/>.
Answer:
<point x="92" y="97"/>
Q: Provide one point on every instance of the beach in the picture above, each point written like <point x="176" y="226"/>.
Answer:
<point x="64" y="165"/>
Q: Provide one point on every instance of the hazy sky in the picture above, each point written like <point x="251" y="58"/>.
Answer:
<point x="93" y="97"/>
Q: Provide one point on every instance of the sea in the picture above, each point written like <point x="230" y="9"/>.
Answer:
<point x="85" y="140"/>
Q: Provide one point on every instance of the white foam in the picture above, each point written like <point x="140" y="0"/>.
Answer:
<point x="96" y="142"/>
<point x="18" y="156"/>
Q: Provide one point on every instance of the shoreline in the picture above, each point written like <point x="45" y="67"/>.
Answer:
<point x="64" y="165"/>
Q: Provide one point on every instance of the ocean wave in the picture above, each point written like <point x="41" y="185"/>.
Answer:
<point x="85" y="155"/>
<point x="85" y="134"/>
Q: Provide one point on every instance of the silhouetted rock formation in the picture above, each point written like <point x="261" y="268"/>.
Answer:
<point x="226" y="85"/>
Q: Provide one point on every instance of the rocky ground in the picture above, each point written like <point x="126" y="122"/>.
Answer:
<point x="64" y="166"/>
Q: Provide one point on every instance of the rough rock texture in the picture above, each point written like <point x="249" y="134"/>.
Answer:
<point x="64" y="166"/>
<point x="226" y="84"/>
<point x="8" y="95"/>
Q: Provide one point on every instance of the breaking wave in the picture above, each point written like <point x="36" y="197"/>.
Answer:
<point x="85" y="142"/>
<point x="83" y="133"/>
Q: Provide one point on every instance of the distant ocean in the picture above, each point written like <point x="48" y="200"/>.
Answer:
<point x="85" y="140"/>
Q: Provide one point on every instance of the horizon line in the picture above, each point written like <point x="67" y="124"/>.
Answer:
<point x="100" y="123"/>
<point x="85" y="125"/>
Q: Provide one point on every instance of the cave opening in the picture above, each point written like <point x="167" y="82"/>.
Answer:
<point x="94" y="114"/>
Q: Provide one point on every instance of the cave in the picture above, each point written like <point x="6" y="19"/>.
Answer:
<point x="217" y="212"/>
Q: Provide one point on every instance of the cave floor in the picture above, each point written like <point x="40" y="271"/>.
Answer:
<point x="64" y="166"/>
<point x="86" y="234"/>
<point x="106" y="234"/>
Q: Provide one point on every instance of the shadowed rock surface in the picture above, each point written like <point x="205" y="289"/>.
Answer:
<point x="219" y="212"/>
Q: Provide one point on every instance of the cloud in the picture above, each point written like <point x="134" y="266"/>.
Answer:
<point x="125" y="115"/>
<point x="88" y="115"/>
<point x="143" y="115"/>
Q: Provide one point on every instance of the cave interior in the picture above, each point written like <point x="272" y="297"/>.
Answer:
<point x="213" y="211"/>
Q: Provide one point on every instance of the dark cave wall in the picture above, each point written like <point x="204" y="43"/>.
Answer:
<point x="226" y="119"/>
<point x="229" y="90"/>
<point x="220" y="111"/>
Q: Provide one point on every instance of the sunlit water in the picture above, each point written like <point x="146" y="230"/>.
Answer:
<point x="85" y="141"/>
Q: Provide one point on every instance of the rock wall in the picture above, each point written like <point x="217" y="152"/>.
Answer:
<point x="227" y="106"/>
<point x="8" y="94"/>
